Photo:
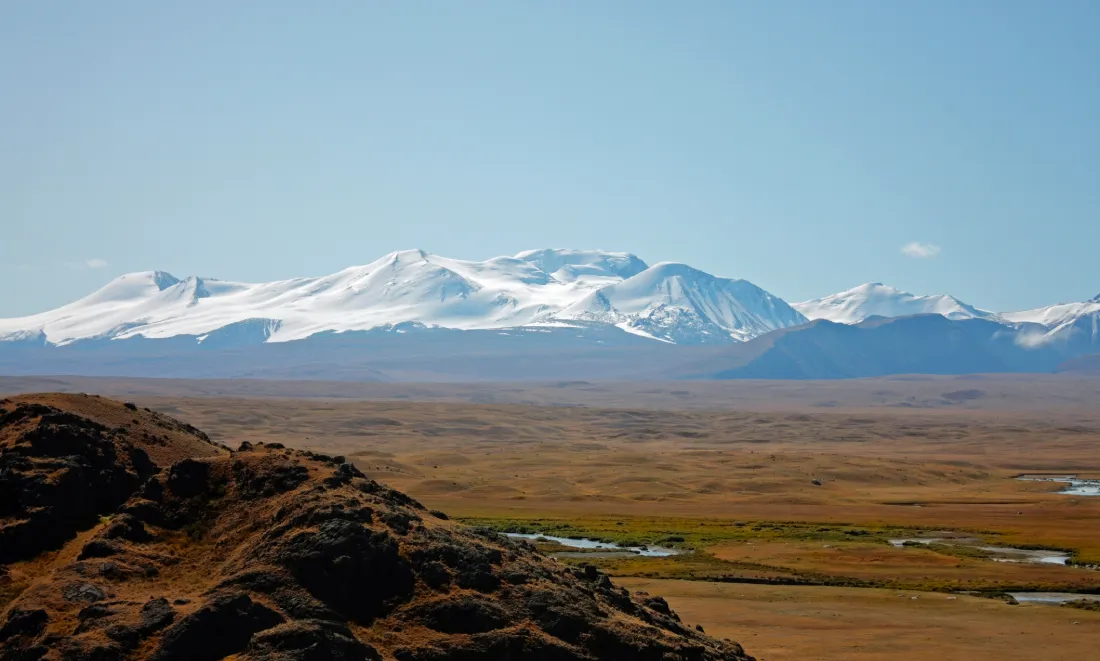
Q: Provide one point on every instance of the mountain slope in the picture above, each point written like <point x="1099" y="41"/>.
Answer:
<point x="921" y="344"/>
<point x="412" y="286"/>
<point x="677" y="303"/>
<point x="875" y="299"/>
<point x="1057" y="315"/>
<point x="272" y="554"/>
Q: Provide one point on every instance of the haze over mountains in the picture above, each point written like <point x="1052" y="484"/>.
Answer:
<point x="540" y="314"/>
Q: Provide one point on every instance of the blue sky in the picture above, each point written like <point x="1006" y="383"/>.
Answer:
<point x="799" y="144"/>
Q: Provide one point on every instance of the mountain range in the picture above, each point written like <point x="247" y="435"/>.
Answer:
<point x="535" y="289"/>
<point x="539" y="314"/>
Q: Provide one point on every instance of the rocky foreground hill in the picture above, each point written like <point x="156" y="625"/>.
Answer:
<point x="125" y="534"/>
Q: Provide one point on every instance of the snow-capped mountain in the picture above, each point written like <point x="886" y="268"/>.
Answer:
<point x="1055" y="315"/>
<point x="540" y="288"/>
<point x="876" y="299"/>
<point x="1069" y="325"/>
<point x="677" y="303"/>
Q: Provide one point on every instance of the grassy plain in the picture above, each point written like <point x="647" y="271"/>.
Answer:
<point x="734" y="483"/>
<point x="796" y="623"/>
<point x="931" y="469"/>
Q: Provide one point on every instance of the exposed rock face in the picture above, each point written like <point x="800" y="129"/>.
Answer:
<point x="67" y="459"/>
<point x="269" y="553"/>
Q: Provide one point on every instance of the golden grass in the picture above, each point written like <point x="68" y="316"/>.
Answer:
<point x="513" y="462"/>
<point x="795" y="623"/>
<point x="648" y="475"/>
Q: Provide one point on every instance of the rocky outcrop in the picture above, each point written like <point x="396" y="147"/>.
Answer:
<point x="65" y="460"/>
<point x="270" y="553"/>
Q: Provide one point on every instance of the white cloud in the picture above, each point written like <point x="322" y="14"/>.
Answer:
<point x="96" y="263"/>
<point x="920" y="250"/>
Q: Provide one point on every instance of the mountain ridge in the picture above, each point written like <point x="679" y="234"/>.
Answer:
<point x="876" y="299"/>
<point x="541" y="314"/>
<point x="534" y="288"/>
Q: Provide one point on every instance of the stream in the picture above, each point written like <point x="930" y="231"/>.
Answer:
<point x="1075" y="486"/>
<point x="1051" y="597"/>
<point x="647" y="551"/>
<point x="1006" y="553"/>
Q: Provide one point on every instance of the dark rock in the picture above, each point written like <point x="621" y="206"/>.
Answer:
<point x="58" y="473"/>
<point x="477" y="577"/>
<point x="356" y="571"/>
<point x="153" y="490"/>
<point x="221" y="627"/>
<point x="591" y="573"/>
<point x="520" y="645"/>
<point x="128" y="527"/>
<point x="309" y="640"/>
<point x="100" y="548"/>
<point x="343" y="474"/>
<point x="83" y="592"/>
<point x="658" y="604"/>
<point x="515" y="577"/>
<point x="109" y="570"/>
<point x="435" y="575"/>
<point x="156" y="614"/>
<point x="273" y="479"/>
<point x="130" y="405"/>
<point x="188" y="478"/>
<point x="399" y="522"/>
<point x="23" y="622"/>
<point x="462" y="614"/>
<point x="564" y="614"/>
<point x="95" y="611"/>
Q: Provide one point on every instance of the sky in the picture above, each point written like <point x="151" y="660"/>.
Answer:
<point x="937" y="146"/>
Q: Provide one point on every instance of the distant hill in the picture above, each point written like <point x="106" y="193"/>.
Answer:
<point x="922" y="344"/>
<point x="1083" y="365"/>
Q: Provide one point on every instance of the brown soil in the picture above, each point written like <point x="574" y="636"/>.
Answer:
<point x="272" y="553"/>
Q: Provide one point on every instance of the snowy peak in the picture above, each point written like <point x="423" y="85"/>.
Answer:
<point x="876" y="299"/>
<point x="1055" y="315"/>
<point x="569" y="265"/>
<point x="134" y="286"/>
<point x="668" y="301"/>
<point x="677" y="303"/>
<point x="673" y="302"/>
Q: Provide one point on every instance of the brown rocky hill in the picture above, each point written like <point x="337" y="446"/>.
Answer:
<point x="128" y="535"/>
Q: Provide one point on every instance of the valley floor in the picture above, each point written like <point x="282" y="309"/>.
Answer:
<point x="803" y="499"/>
<point x="790" y="623"/>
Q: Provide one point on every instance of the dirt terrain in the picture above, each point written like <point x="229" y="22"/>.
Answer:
<point x="272" y="553"/>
